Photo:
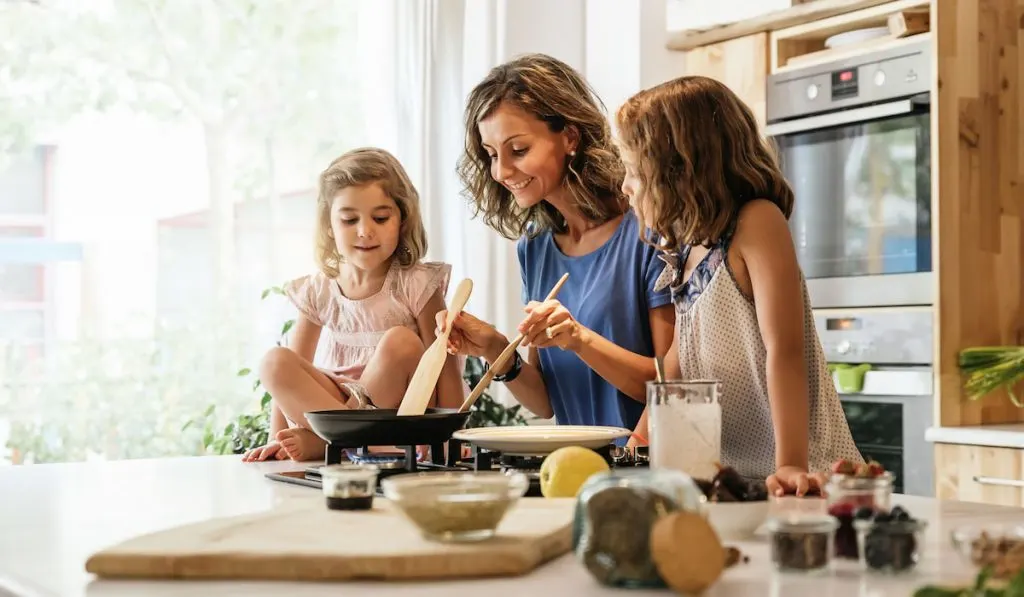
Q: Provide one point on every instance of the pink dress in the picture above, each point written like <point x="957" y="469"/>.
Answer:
<point x="353" y="328"/>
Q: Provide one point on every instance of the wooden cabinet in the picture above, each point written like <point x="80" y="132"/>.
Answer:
<point x="741" y="64"/>
<point x="979" y="474"/>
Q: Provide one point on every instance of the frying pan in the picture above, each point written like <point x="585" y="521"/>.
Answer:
<point x="383" y="427"/>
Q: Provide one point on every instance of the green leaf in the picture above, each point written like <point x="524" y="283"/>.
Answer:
<point x="255" y="385"/>
<point x="265" y="401"/>
<point x="265" y="294"/>
<point x="207" y="439"/>
<point x="229" y="429"/>
<point x="187" y="425"/>
<point x="287" y="326"/>
<point x="243" y="372"/>
<point x="209" y="410"/>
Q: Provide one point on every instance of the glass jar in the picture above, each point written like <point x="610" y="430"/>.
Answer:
<point x="614" y="513"/>
<point x="890" y="546"/>
<point x="846" y="494"/>
<point x="801" y="543"/>
<point x="685" y="429"/>
<point x="349" y="486"/>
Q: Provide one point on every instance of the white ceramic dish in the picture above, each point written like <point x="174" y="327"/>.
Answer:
<point x="737" y="521"/>
<point x="856" y="36"/>
<point x="540" y="440"/>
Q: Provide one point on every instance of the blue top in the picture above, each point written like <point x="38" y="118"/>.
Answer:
<point x="610" y="291"/>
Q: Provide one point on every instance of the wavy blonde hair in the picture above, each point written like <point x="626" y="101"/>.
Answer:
<point x="558" y="95"/>
<point x="361" y="167"/>
<point x="699" y="157"/>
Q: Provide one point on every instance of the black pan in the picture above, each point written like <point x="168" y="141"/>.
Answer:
<point x="383" y="427"/>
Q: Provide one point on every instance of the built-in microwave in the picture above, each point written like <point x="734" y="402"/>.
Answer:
<point x="854" y="138"/>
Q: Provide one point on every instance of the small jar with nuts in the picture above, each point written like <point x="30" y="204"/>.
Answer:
<point x="801" y="544"/>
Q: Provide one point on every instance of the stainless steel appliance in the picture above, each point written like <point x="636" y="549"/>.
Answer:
<point x="854" y="140"/>
<point x="892" y="406"/>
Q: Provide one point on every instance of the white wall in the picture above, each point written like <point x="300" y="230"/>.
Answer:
<point x="618" y="44"/>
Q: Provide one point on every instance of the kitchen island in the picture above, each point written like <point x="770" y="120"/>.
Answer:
<point x="53" y="517"/>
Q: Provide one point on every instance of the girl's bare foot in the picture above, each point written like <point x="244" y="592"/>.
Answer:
<point x="301" y="444"/>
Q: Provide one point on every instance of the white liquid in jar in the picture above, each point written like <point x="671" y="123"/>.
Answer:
<point x="686" y="437"/>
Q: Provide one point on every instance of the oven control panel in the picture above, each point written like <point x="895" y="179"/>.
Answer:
<point x="893" y="336"/>
<point x="887" y="75"/>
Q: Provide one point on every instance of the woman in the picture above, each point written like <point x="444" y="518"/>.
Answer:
<point x="539" y="164"/>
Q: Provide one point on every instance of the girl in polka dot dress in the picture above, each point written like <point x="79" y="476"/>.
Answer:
<point x="700" y="175"/>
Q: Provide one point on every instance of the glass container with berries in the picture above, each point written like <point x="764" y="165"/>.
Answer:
<point x="890" y="542"/>
<point x="855" y="490"/>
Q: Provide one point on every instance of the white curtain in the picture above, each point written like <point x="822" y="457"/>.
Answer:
<point x="423" y="57"/>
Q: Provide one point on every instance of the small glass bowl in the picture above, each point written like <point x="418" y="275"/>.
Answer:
<point x="349" y="486"/>
<point x="999" y="546"/>
<point x="801" y="543"/>
<point x="891" y="547"/>
<point x="454" y="507"/>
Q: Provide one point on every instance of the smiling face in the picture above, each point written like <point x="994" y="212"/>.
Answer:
<point x="527" y="157"/>
<point x="366" y="224"/>
<point x="632" y="186"/>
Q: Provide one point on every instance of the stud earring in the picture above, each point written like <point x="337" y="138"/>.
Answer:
<point x="572" y="153"/>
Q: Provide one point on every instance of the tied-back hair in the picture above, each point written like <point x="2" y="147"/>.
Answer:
<point x="699" y="158"/>
<point x="555" y="93"/>
<point x="358" y="168"/>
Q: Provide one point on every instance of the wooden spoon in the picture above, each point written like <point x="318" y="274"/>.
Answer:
<point x="504" y="356"/>
<point x="424" y="380"/>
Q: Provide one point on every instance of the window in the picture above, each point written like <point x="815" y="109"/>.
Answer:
<point x="163" y="180"/>
<point x="23" y="183"/>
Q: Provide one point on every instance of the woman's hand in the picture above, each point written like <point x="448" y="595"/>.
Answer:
<point x="271" y="451"/>
<point x="790" y="479"/>
<point x="550" y="324"/>
<point x="471" y="336"/>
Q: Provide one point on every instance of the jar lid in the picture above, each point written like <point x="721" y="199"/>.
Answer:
<point x="802" y="524"/>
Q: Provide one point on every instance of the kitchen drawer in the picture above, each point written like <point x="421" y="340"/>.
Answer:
<point x="979" y="474"/>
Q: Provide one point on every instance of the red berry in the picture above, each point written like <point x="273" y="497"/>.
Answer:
<point x="842" y="509"/>
<point x="843" y="467"/>
<point x="875" y="469"/>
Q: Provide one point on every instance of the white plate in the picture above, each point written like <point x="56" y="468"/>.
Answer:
<point x="539" y="440"/>
<point x="856" y="36"/>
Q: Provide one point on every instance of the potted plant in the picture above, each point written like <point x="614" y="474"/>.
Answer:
<point x="249" y="430"/>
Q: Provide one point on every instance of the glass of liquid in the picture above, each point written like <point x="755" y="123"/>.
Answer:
<point x="685" y="420"/>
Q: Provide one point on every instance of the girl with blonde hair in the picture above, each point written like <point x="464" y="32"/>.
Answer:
<point x="372" y="295"/>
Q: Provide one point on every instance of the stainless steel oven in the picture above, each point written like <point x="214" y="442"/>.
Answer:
<point x="854" y="140"/>
<point x="882" y="361"/>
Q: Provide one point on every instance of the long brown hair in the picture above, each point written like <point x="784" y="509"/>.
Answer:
<point x="699" y="158"/>
<point x="558" y="95"/>
<point x="361" y="167"/>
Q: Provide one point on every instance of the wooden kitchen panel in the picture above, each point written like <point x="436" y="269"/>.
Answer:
<point x="979" y="474"/>
<point x="978" y="193"/>
<point x="741" y="64"/>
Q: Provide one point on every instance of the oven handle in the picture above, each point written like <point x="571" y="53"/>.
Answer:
<point x="837" y="118"/>
<point x="998" y="481"/>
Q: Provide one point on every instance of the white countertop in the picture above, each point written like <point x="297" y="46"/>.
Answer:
<point x="52" y="517"/>
<point x="1010" y="435"/>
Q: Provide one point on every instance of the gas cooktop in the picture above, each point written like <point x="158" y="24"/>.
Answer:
<point x="459" y="457"/>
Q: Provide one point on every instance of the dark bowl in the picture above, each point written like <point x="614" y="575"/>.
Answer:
<point x="383" y="427"/>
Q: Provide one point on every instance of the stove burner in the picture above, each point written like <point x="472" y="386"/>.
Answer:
<point x="452" y="460"/>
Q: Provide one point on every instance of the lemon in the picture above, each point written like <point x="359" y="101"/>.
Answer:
<point x="566" y="469"/>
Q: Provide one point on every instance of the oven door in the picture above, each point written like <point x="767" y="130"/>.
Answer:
<point x="861" y="222"/>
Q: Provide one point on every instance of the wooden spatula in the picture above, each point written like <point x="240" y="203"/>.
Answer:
<point x="423" y="381"/>
<point x="504" y="356"/>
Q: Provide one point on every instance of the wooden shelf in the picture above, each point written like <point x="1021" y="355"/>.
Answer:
<point x="690" y="39"/>
<point x="804" y="44"/>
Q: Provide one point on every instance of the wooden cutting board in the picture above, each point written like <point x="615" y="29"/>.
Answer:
<point x="301" y="540"/>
